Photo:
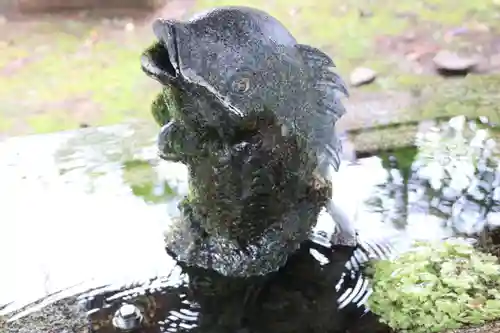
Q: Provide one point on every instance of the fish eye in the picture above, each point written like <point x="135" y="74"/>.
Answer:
<point x="241" y="85"/>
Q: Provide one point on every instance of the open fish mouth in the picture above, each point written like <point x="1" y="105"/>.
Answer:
<point x="161" y="60"/>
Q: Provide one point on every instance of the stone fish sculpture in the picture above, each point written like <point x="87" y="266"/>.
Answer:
<point x="251" y="112"/>
<point x="246" y="259"/>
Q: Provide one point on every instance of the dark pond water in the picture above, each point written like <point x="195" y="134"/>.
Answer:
<point x="86" y="209"/>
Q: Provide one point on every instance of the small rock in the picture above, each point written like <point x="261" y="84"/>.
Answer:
<point x="361" y="76"/>
<point x="129" y="27"/>
<point x="452" y="62"/>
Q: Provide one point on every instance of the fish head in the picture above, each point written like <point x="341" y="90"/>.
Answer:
<point x="234" y="61"/>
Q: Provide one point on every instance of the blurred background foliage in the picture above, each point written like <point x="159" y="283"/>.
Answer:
<point x="69" y="64"/>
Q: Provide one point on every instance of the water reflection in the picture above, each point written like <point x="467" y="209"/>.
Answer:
<point x="92" y="211"/>
<point x="390" y="198"/>
<point x="452" y="180"/>
<point x="145" y="182"/>
<point x="70" y="211"/>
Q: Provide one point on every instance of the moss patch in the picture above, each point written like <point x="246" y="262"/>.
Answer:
<point x="384" y="138"/>
<point x="433" y="98"/>
<point x="435" y="287"/>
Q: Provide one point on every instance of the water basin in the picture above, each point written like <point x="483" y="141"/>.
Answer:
<point x="86" y="209"/>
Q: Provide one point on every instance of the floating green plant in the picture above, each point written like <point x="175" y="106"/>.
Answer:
<point x="435" y="287"/>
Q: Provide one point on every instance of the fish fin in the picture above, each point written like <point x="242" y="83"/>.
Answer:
<point x="323" y="65"/>
<point x="329" y="161"/>
<point x="327" y="88"/>
<point x="315" y="55"/>
<point x="328" y="144"/>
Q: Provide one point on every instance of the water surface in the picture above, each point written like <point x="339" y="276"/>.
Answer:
<point x="87" y="208"/>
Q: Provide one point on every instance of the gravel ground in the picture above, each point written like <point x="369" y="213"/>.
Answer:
<point x="60" y="317"/>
